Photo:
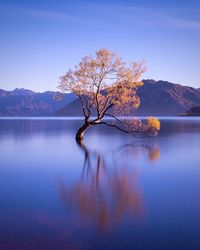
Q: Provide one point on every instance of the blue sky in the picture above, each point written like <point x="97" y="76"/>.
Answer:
<point x="41" y="39"/>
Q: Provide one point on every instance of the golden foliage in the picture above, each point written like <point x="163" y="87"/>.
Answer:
<point x="104" y="80"/>
<point x="153" y="124"/>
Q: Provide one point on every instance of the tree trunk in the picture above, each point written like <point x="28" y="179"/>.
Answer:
<point x="80" y="132"/>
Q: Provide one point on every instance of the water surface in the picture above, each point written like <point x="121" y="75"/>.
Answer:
<point x="118" y="192"/>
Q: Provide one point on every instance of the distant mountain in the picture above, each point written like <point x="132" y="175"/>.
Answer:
<point x="165" y="98"/>
<point x="23" y="102"/>
<point x="157" y="98"/>
<point x="72" y="109"/>
<point x="194" y="111"/>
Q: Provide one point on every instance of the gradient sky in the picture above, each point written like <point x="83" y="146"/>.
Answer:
<point x="41" y="39"/>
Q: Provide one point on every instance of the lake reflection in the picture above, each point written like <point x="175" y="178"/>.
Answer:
<point x="108" y="191"/>
<point x="114" y="192"/>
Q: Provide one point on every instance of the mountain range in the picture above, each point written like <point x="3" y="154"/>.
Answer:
<point x="159" y="98"/>
<point x="23" y="102"/>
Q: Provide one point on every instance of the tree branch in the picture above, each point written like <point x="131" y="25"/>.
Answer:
<point x="88" y="107"/>
<point x="132" y="132"/>
<point x="106" y="102"/>
<point x="83" y="107"/>
<point x="113" y="116"/>
<point x="115" y="126"/>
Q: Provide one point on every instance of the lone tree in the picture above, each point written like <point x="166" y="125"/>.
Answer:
<point x="106" y="86"/>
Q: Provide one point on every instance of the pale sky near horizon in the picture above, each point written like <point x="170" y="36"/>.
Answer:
<point x="41" y="39"/>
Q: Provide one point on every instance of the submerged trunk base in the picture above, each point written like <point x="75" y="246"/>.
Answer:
<point x="80" y="133"/>
<point x="79" y="137"/>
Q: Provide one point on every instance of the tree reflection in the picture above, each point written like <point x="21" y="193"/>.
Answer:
<point x="151" y="151"/>
<point x="109" y="191"/>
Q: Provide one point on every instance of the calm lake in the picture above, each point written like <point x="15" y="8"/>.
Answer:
<point x="118" y="192"/>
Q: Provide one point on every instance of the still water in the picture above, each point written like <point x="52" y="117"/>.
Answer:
<point x="118" y="192"/>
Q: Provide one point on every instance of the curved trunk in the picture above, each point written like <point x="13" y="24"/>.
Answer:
<point x="80" y="132"/>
